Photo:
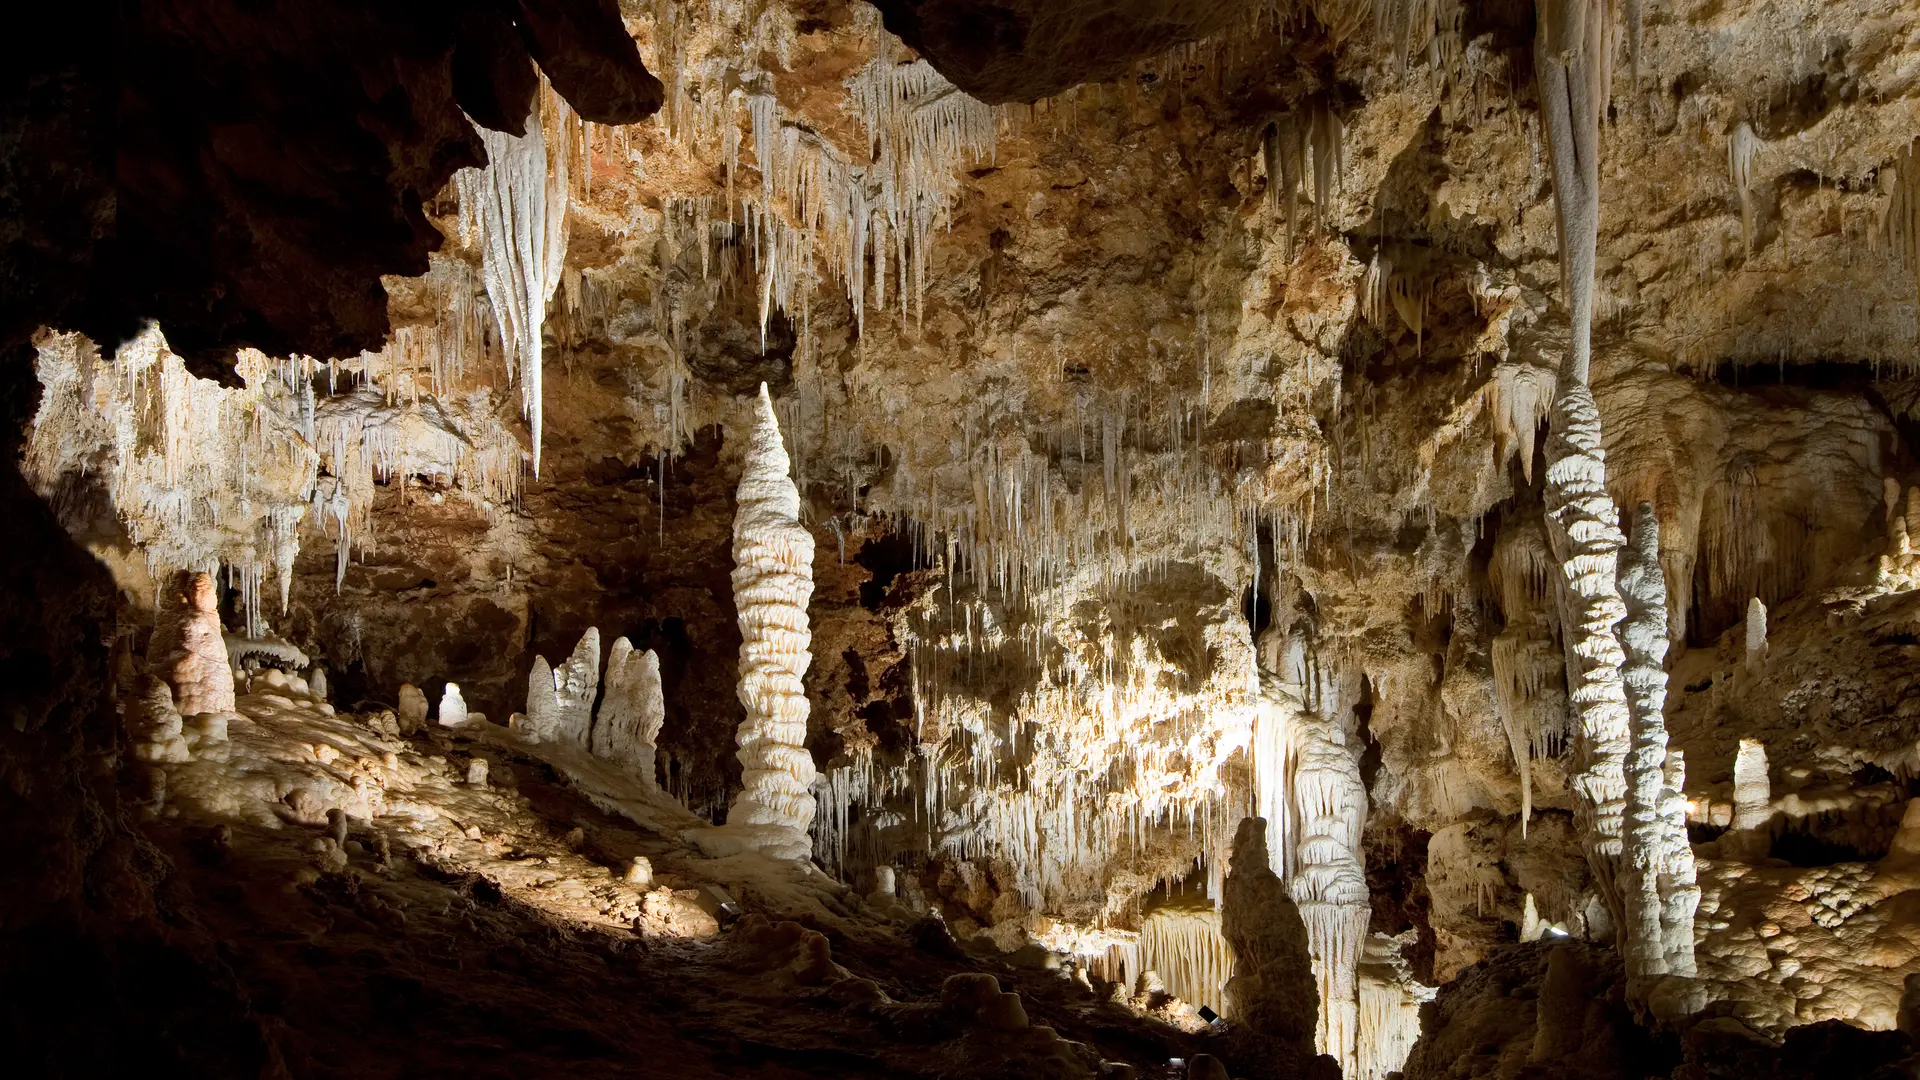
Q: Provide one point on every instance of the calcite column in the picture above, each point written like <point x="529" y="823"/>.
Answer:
<point x="1329" y="884"/>
<point x="772" y="582"/>
<point x="187" y="650"/>
<point x="1572" y="61"/>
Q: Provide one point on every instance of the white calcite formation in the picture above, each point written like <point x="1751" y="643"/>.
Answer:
<point x="1752" y="794"/>
<point x="1655" y="845"/>
<point x="1329" y="884"/>
<point x="772" y="582"/>
<point x="412" y="710"/>
<point x="1390" y="1000"/>
<point x="560" y="700"/>
<point x="631" y="712"/>
<point x="453" y="707"/>
<point x="188" y="650"/>
<point x="517" y="209"/>
<point x="1756" y="627"/>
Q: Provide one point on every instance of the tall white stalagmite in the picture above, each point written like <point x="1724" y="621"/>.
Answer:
<point x="1573" y="49"/>
<point x="1329" y="883"/>
<point x="1654" y="842"/>
<point x="631" y="712"/>
<point x="772" y="582"/>
<point x="517" y="208"/>
<point x="560" y="701"/>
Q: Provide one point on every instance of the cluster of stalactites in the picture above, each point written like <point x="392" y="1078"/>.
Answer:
<point x="515" y="210"/>
<point x="1658" y="886"/>
<point x="1306" y="144"/>
<point x="772" y="582"/>
<point x="818" y="210"/>
<point x="1900" y="222"/>
<point x="200" y="474"/>
<point x="1529" y="688"/>
<point x="1390" y="1000"/>
<point x="1399" y="279"/>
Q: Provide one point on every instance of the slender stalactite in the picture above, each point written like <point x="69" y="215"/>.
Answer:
<point x="1572" y="56"/>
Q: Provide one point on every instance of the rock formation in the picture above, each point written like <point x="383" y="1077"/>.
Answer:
<point x="1658" y="864"/>
<point x="1271" y="996"/>
<point x="188" y="651"/>
<point x="772" y="581"/>
<point x="560" y="700"/>
<point x="631" y="712"/>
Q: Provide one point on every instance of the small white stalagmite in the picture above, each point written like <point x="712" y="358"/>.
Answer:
<point x="772" y="582"/>
<point x="1752" y="795"/>
<point x="187" y="650"/>
<point x="631" y="712"/>
<point x="1756" y="634"/>
<point x="453" y="707"/>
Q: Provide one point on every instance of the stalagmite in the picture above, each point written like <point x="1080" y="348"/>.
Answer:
<point x="1752" y="794"/>
<point x="187" y="650"/>
<point x="1652" y="836"/>
<point x="631" y="712"/>
<point x="1573" y="50"/>
<point x="1271" y="996"/>
<point x="1679" y="879"/>
<point x="453" y="707"/>
<point x="772" y="582"/>
<point x="1756" y="634"/>
<point x="412" y="712"/>
<point x="560" y="701"/>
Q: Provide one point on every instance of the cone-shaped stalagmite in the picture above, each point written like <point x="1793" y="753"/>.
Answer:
<point x="772" y="582"/>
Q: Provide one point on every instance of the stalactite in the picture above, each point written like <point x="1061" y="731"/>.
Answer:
<point x="1184" y="946"/>
<point x="515" y="208"/>
<point x="1390" y="1000"/>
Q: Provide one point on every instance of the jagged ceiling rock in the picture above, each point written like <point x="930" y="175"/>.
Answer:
<point x="1024" y="50"/>
<point x="269" y="161"/>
